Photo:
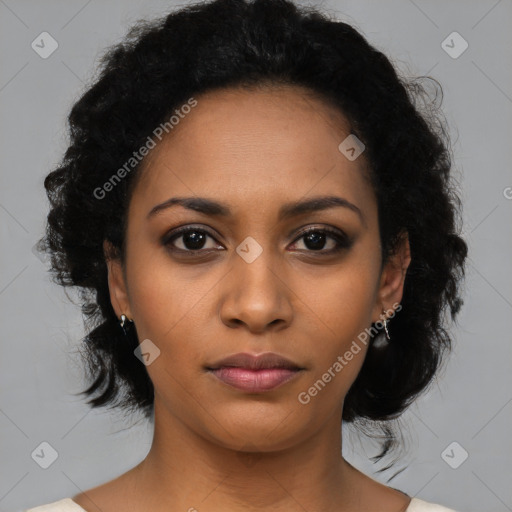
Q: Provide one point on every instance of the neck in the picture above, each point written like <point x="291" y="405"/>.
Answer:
<point x="184" y="469"/>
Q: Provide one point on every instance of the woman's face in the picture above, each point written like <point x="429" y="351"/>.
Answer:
<point x="249" y="280"/>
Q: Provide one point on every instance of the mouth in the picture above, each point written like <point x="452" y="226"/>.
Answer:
<point x="254" y="381"/>
<point x="255" y="373"/>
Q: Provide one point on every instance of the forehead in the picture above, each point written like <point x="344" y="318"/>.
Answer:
<point x="256" y="149"/>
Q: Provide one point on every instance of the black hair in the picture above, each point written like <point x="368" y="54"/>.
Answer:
<point x="219" y="44"/>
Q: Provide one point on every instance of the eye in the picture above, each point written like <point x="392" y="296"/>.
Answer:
<point x="315" y="240"/>
<point x="193" y="239"/>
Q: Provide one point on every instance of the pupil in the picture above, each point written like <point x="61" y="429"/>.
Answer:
<point x="194" y="239"/>
<point x="317" y="239"/>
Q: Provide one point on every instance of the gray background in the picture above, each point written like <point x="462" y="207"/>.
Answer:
<point x="470" y="403"/>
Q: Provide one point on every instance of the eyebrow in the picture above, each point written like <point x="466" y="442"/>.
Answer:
<point x="288" y="210"/>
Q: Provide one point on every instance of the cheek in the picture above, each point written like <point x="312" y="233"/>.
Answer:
<point x="345" y="311"/>
<point x="161" y="306"/>
<point x="171" y="305"/>
<point x="156" y="297"/>
<point x="343" y="298"/>
<point x="342" y="306"/>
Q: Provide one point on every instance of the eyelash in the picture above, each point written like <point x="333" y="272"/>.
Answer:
<point x="342" y="240"/>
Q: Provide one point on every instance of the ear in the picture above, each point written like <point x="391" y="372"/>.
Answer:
<point x="116" y="281"/>
<point x="393" y="278"/>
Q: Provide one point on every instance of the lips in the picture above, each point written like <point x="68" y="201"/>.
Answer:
<point x="268" y="360"/>
<point x="255" y="373"/>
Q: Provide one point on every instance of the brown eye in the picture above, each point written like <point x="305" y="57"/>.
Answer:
<point x="192" y="239"/>
<point x="315" y="240"/>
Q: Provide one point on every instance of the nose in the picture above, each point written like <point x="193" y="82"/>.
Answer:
<point x="256" y="297"/>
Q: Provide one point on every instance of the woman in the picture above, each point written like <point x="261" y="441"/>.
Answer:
<point x="265" y="234"/>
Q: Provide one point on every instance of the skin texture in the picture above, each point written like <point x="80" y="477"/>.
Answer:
<point x="216" y="448"/>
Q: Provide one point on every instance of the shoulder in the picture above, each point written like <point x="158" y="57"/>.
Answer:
<point x="64" y="505"/>
<point x="418" y="505"/>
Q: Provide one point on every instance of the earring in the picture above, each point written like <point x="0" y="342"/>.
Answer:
<point x="386" y="328"/>
<point x="382" y="340"/>
<point x="123" y="321"/>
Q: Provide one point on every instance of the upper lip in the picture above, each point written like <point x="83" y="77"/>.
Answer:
<point x="255" y="362"/>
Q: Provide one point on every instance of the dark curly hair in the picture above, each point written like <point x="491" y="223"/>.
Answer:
<point x="240" y="43"/>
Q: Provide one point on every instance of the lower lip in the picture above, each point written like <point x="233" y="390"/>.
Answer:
<point x="255" y="381"/>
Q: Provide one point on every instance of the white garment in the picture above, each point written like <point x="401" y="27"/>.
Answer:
<point x="64" y="505"/>
<point x="418" y="505"/>
<point x="68" y="505"/>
